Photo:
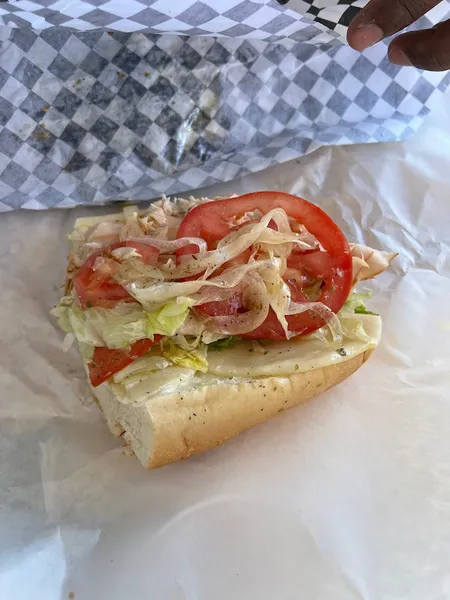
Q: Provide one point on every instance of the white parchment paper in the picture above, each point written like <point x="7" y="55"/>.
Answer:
<point x="345" y="498"/>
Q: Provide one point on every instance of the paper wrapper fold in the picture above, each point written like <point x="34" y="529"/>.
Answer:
<point x="126" y="100"/>
<point x="346" y="497"/>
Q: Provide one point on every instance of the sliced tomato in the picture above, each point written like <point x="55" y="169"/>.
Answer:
<point x="220" y="309"/>
<point x="332" y="263"/>
<point x="316" y="264"/>
<point x="106" y="361"/>
<point x="98" y="288"/>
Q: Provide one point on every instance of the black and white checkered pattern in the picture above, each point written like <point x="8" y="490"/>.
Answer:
<point x="334" y="14"/>
<point x="258" y="19"/>
<point x="95" y="116"/>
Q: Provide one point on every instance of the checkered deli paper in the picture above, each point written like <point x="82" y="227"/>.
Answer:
<point x="129" y="99"/>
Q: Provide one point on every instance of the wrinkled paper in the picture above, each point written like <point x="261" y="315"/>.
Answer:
<point x="346" y="497"/>
<point x="116" y="100"/>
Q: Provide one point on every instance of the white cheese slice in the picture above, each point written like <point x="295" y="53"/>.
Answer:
<point x="242" y="362"/>
<point x="285" y="358"/>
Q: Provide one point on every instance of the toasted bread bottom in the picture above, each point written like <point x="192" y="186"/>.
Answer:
<point x="175" y="426"/>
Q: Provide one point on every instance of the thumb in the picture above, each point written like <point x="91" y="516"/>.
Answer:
<point x="428" y="49"/>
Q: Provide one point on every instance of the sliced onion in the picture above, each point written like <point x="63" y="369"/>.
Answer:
<point x="272" y="237"/>
<point x="194" y="324"/>
<point x="254" y="298"/>
<point x="134" y="269"/>
<point x="320" y="334"/>
<point x="208" y="337"/>
<point x="280" y="300"/>
<point x="206" y="262"/>
<point x="249" y="216"/>
<point x="105" y="266"/>
<point x="214" y="294"/>
<point x="170" y="246"/>
<point x="277" y="215"/>
<point x="231" y="246"/>
<point x="125" y="253"/>
<point x="323" y="311"/>
<point x="181" y="340"/>
<point x="160" y="293"/>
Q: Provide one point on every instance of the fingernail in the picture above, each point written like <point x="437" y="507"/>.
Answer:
<point x="398" y="57"/>
<point x="366" y="36"/>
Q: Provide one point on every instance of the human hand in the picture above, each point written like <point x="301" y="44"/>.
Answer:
<point x="428" y="49"/>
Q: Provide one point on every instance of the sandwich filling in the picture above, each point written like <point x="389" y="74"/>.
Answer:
<point x="194" y="292"/>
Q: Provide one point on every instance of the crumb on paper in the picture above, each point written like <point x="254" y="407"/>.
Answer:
<point x="71" y="595"/>
<point x="40" y="135"/>
<point x="127" y="451"/>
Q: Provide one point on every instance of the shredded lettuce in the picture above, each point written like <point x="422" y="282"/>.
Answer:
<point x="86" y="351"/>
<point x="168" y="319"/>
<point x="353" y="327"/>
<point x="195" y="359"/>
<point x="73" y="320"/>
<point x="122" y="325"/>
<point x="226" y="342"/>
<point x="356" y="303"/>
<point x="362" y="310"/>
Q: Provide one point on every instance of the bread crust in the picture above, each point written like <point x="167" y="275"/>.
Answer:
<point x="175" y="426"/>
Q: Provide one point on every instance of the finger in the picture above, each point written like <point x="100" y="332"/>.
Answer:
<point x="382" y="18"/>
<point x="428" y="49"/>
